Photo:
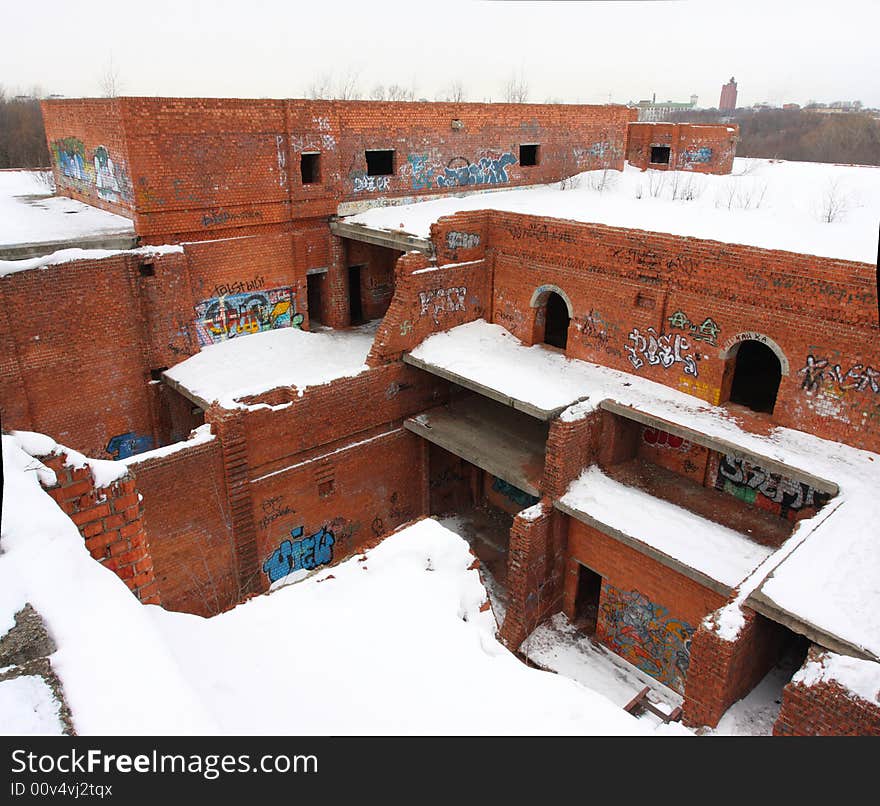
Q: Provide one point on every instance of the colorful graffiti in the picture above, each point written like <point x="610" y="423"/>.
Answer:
<point x="231" y="315"/>
<point x="660" y="349"/>
<point x="422" y="172"/>
<point x="298" y="554"/>
<point x="697" y="155"/>
<point x="519" y="497"/>
<point x="708" y="331"/>
<point x="98" y="171"/>
<point x="820" y="371"/>
<point x="595" y="326"/>
<point x="486" y="171"/>
<point x="646" y="635"/>
<point x="124" y="445"/>
<point x="781" y="495"/>
<point x="442" y="300"/>
<point x="462" y="240"/>
<point x="663" y="439"/>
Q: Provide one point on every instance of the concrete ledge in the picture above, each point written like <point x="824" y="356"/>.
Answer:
<point x="649" y="551"/>
<point x="719" y="443"/>
<point x="22" y="251"/>
<point x="381" y="237"/>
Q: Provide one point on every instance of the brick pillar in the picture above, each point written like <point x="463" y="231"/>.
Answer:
<point x="229" y="428"/>
<point x="722" y="672"/>
<point x="337" y="312"/>
<point x="111" y="521"/>
<point x="571" y="447"/>
<point x="826" y="708"/>
<point x="534" y="572"/>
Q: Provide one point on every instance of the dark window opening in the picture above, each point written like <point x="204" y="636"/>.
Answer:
<point x="147" y="269"/>
<point x="156" y="374"/>
<point x="586" y="603"/>
<point x="756" y="377"/>
<point x="310" y="168"/>
<point x="660" y="155"/>
<point x="314" y="283"/>
<point x="528" y="155"/>
<point x="556" y="323"/>
<point x="380" y="163"/>
<point x="355" y="306"/>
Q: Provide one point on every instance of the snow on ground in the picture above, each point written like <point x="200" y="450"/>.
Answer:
<point x="256" y="363"/>
<point x="29" y="213"/>
<point x="28" y="708"/>
<point x="831" y="580"/>
<point x="720" y="553"/>
<point x="767" y="203"/>
<point x="393" y="643"/>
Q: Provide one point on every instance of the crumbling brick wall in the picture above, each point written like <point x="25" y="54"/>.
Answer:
<point x="693" y="147"/>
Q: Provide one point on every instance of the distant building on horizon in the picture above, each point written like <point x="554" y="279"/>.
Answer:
<point x="728" y="97"/>
<point x="652" y="111"/>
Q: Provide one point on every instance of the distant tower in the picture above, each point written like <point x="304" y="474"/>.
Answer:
<point x="694" y="100"/>
<point x="728" y="97"/>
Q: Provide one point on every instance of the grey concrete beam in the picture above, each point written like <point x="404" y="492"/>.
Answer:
<point x="179" y="387"/>
<point x="380" y="237"/>
<point x="22" y="251"/>
<point x="721" y="444"/>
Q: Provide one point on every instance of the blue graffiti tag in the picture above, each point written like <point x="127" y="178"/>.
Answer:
<point x="488" y="171"/>
<point x="124" y="445"/>
<point x="519" y="497"/>
<point x="422" y="175"/>
<point x="295" y="555"/>
<point x="703" y="154"/>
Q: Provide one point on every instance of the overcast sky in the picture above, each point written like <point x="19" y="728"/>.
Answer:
<point x="572" y="51"/>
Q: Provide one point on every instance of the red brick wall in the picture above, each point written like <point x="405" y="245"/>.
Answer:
<point x="82" y="134"/>
<point x="111" y="521"/>
<point x="571" y="447"/>
<point x="377" y="265"/>
<point x="722" y="672"/>
<point x="187" y="514"/>
<point x="825" y="709"/>
<point x="693" y="147"/>
<point x="677" y="603"/>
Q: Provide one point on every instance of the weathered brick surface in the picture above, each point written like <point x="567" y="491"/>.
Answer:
<point x="694" y="147"/>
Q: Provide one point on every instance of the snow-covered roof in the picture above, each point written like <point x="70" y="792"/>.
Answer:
<point x="771" y="204"/>
<point x="427" y="657"/>
<point x="30" y="214"/>
<point x="256" y="363"/>
<point x="829" y="581"/>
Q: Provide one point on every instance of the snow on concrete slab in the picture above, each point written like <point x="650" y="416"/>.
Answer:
<point x="30" y="214"/>
<point x="831" y="580"/>
<point x="28" y="708"/>
<point x="771" y="204"/>
<point x="861" y="677"/>
<point x="408" y="619"/>
<point x="250" y="365"/>
<point x="71" y="255"/>
<point x="708" y="547"/>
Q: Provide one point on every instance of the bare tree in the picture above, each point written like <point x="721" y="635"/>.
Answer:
<point x="348" y="88"/>
<point x="109" y="81"/>
<point x="378" y="93"/>
<point x="834" y="203"/>
<point x="321" y="86"/>
<point x="455" y="93"/>
<point x="516" y="90"/>
<point x="397" y="92"/>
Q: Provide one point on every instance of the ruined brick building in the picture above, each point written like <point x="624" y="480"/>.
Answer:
<point x="242" y="226"/>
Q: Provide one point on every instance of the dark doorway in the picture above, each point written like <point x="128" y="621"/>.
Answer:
<point x="586" y="603"/>
<point x="315" y="284"/>
<point x="660" y="155"/>
<point x="756" y="377"/>
<point x="310" y="168"/>
<point x="355" y="306"/>
<point x="556" y="323"/>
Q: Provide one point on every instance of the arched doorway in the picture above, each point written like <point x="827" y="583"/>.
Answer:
<point x="556" y="321"/>
<point x="756" y="376"/>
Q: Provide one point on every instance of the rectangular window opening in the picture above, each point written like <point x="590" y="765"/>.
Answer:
<point x="310" y="168"/>
<point x="660" y="155"/>
<point x="380" y="163"/>
<point x="528" y="154"/>
<point x="147" y="269"/>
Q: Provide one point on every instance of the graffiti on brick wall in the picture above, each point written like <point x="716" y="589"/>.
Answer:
<point x="381" y="287"/>
<point x="772" y="491"/>
<point x="660" y="350"/>
<point x="300" y="553"/>
<point x="421" y="171"/>
<point x="646" y="634"/>
<point x="488" y="170"/>
<point x="596" y="327"/>
<point x="440" y="301"/>
<point x="707" y="331"/>
<point x="820" y="372"/>
<point x="541" y="233"/>
<point x="697" y="155"/>
<point x="363" y="183"/>
<point x="663" y="439"/>
<point x="239" y="286"/>
<point x="84" y="170"/>
<point x="232" y="315"/>
<point x="519" y="497"/>
<point x="219" y="218"/>
<point x="462" y="240"/>
<point x="124" y="445"/>
<point x="405" y="327"/>
<point x="273" y="509"/>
